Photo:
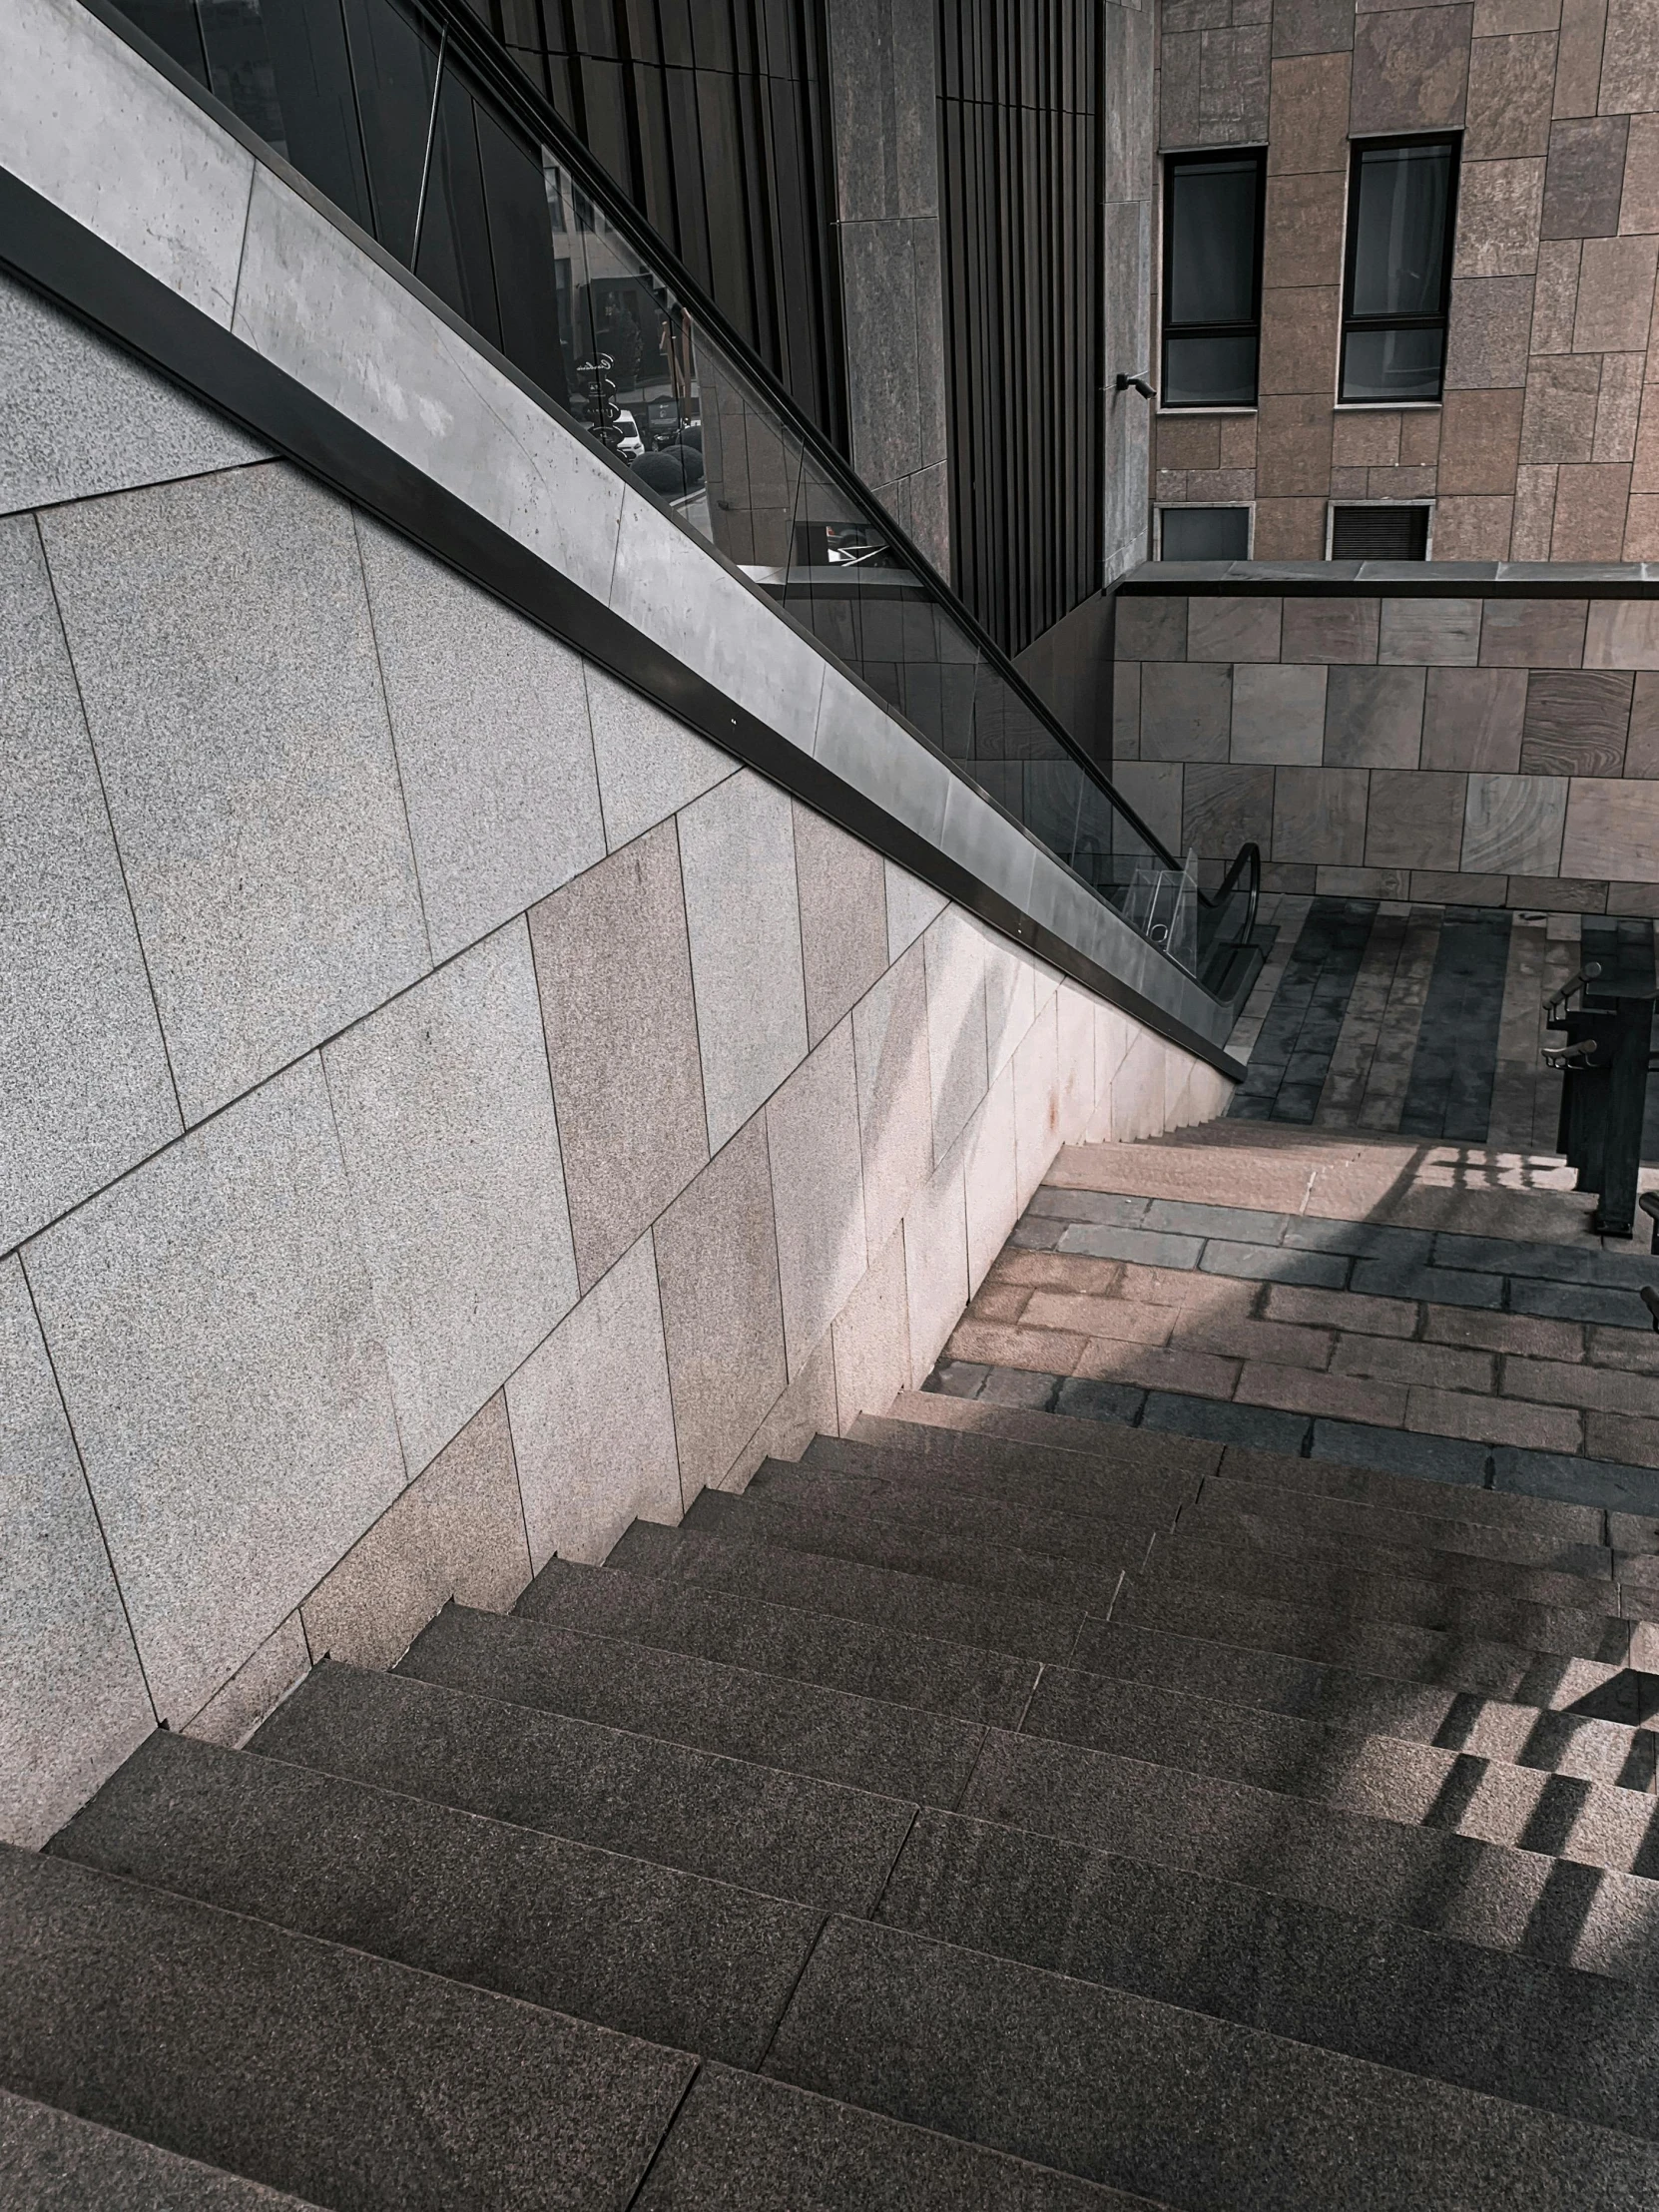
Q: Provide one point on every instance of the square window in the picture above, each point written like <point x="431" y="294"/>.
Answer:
<point x="1204" y="533"/>
<point x="1390" y="533"/>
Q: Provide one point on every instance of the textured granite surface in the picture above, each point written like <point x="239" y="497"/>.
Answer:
<point x="51" y="2162"/>
<point x="788" y="1836"/>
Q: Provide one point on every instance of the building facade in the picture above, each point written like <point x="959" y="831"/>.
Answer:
<point x="1543" y="443"/>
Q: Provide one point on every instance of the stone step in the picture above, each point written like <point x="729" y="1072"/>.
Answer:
<point x="1353" y="1594"/>
<point x="1090" y="1439"/>
<point x="1385" y="1777"/>
<point x="1493" y="1894"/>
<point x="890" y="1664"/>
<point x="1551" y="2037"/>
<point x="672" y="1957"/>
<point x="768" y="1720"/>
<point x="1484" y="1666"/>
<point x="1226" y="1496"/>
<point x="784" y="1835"/>
<point x="50" y="2161"/>
<point x="741" y="2141"/>
<point x="337" y="2078"/>
<point x="849" y="1589"/>
<point x="894" y="1502"/>
<point x="1233" y="1527"/>
<point x="1424" y="1712"/>
<point x="987" y="1466"/>
<point x="1140" y="2096"/>
<point x="868" y="1537"/>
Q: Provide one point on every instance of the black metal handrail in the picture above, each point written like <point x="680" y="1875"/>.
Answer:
<point x="823" y="548"/>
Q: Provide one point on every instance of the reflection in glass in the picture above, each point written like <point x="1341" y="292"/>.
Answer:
<point x="1212" y="247"/>
<point x="1399" y="236"/>
<point x="368" y="99"/>
<point x="1214" y="371"/>
<point x="1394" y="364"/>
<point x="1205" y="534"/>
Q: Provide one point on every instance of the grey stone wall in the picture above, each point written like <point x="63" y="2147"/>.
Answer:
<point x="446" y="1108"/>
<point x="1484" y="750"/>
<point x="883" y="96"/>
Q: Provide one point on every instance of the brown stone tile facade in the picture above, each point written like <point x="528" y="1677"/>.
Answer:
<point x="1546" y="443"/>
<point x="1485" y="751"/>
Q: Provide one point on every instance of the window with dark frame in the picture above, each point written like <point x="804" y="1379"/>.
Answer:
<point x="1212" y="279"/>
<point x="1396" y="282"/>
<point x="1204" y="533"/>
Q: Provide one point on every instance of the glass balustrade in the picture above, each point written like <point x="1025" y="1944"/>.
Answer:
<point x="409" y="118"/>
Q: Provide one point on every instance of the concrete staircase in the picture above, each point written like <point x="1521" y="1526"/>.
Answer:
<point x="993" y="1809"/>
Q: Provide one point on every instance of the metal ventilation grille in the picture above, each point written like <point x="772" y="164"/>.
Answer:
<point x="1378" y="534"/>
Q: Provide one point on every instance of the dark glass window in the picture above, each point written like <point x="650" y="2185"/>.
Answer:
<point x="1205" y="534"/>
<point x="1402" y="204"/>
<point x="1212" y="279"/>
<point x="1379" y="533"/>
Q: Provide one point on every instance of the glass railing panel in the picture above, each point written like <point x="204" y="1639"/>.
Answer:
<point x="393" y="109"/>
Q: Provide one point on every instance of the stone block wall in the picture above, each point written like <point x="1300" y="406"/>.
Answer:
<point x="446" y="1107"/>
<point x="1485" y="751"/>
<point x="1547" y="446"/>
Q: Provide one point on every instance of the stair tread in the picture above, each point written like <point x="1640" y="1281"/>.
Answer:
<point x="1555" y="1587"/>
<point x="1531" y="1733"/>
<point x="1333" y="1478"/>
<point x="315" y="2069"/>
<point x="1202" y="2111"/>
<point x="771" y="1720"/>
<point x="1493" y="1893"/>
<point x="651" y="1951"/>
<point x="876" y="1540"/>
<point x="741" y="2139"/>
<point x="1256" y="1500"/>
<point x="1000" y="1439"/>
<point x="958" y="1680"/>
<point x="51" y="2161"/>
<point x="1003" y="1474"/>
<point x="1386" y="1778"/>
<point x="854" y="1589"/>
<point x="1486" y="1665"/>
<point x="1069" y="1532"/>
<point x="1543" y="2033"/>
<point x="784" y="1835"/>
<point x="1410" y="1600"/>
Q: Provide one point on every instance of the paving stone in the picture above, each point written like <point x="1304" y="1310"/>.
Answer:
<point x="1574" y="1383"/>
<point x="641" y="1949"/>
<point x="1243" y="1224"/>
<point x="1085" y="1399"/>
<point x="887" y="1663"/>
<point x="1559" y="1262"/>
<point x="1023" y="1452"/>
<point x="1242" y="1338"/>
<point x="1269" y="1264"/>
<point x="1118" y="1318"/>
<point x="1518" y="1333"/>
<point x="1440" y="1367"/>
<point x="1106" y="1207"/>
<point x="312" y="2067"/>
<point x="1600" y="1482"/>
<point x="1428" y="2004"/>
<point x="1570" y="1300"/>
<point x="1366" y="1240"/>
<point x="1493" y="1421"/>
<point x="1379" y="1317"/>
<point x="773" y="1721"/>
<point x="1131" y="1244"/>
<point x="1154" y="1368"/>
<point x="785" y="1835"/>
<point x="850" y="1589"/>
<point x="1445" y="1286"/>
<point x="993" y="1345"/>
<point x="1298" y="1391"/>
<point x="1409" y="1482"/>
<point x="1260" y="1501"/>
<point x="1226" y="1421"/>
